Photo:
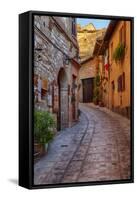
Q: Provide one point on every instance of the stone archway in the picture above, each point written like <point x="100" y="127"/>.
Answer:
<point x="63" y="100"/>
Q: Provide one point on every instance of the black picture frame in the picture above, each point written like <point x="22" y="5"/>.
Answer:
<point x="26" y="96"/>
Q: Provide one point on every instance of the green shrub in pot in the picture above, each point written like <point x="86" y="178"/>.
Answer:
<point x="44" y="125"/>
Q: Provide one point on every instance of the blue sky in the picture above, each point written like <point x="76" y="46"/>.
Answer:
<point x="98" y="23"/>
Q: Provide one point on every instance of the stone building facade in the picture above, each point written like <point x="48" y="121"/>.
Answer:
<point x="56" y="68"/>
<point x="87" y="37"/>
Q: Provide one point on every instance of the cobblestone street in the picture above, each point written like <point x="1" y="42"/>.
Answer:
<point x="97" y="148"/>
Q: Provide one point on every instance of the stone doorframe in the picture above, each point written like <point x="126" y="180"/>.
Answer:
<point x="63" y="114"/>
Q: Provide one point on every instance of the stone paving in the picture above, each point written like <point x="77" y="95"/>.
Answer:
<point x="97" y="148"/>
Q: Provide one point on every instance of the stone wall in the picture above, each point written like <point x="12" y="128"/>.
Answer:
<point x="54" y="46"/>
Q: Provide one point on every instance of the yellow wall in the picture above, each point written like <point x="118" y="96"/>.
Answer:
<point x="117" y="69"/>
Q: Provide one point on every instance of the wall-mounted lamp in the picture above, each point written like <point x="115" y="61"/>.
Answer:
<point x="67" y="59"/>
<point x="38" y="56"/>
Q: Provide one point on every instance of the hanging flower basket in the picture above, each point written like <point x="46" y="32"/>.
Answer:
<point x="119" y="52"/>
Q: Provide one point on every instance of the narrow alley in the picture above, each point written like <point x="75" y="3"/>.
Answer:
<point x="97" y="148"/>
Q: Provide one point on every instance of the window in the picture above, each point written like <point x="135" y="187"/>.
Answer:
<point x="111" y="48"/>
<point x="122" y="34"/>
<point x="40" y="88"/>
<point x="125" y="33"/>
<point x="73" y="26"/>
<point x="121" y="82"/>
<point x="44" y="24"/>
<point x="113" y="85"/>
<point x="43" y="89"/>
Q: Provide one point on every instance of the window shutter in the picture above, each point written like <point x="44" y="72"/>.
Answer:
<point x="44" y="84"/>
<point x="120" y="35"/>
<point x="44" y="88"/>
<point x="125" y="33"/>
<point x="123" y="81"/>
<point x="120" y="83"/>
<point x="39" y="89"/>
<point x="113" y="85"/>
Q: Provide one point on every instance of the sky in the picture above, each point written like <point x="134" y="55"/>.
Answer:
<point x="98" y="23"/>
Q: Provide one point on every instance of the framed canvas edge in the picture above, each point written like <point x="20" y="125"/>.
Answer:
<point x="31" y="185"/>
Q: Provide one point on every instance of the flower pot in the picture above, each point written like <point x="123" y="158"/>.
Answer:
<point x="96" y="102"/>
<point x="38" y="150"/>
<point x="46" y="147"/>
<point x="101" y="104"/>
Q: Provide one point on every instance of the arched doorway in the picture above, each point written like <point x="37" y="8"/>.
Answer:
<point x="63" y="100"/>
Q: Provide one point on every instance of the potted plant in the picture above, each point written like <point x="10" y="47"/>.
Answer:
<point x="97" y="80"/>
<point x="44" y="125"/>
<point x="96" y="96"/>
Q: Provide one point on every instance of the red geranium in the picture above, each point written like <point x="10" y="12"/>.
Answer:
<point x="107" y="66"/>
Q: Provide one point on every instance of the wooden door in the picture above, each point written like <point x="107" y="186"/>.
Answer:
<point x="63" y="108"/>
<point x="88" y="87"/>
